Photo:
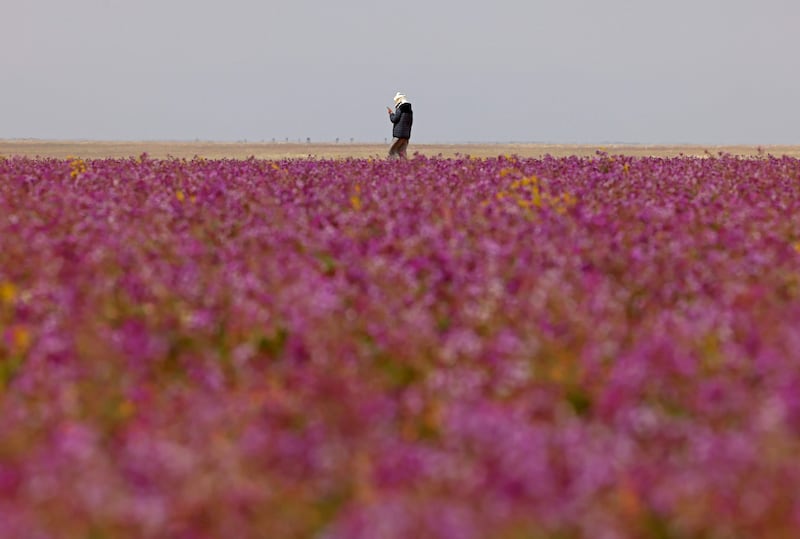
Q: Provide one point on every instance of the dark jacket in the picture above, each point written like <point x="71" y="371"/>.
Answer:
<point x="402" y="118"/>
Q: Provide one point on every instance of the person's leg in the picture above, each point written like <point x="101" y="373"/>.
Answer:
<point x="403" y="147"/>
<point x="396" y="147"/>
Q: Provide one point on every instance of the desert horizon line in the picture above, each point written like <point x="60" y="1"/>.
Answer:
<point x="361" y="142"/>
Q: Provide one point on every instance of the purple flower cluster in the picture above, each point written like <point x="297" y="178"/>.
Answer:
<point x="601" y="347"/>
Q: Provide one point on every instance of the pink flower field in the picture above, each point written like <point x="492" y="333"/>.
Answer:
<point x="505" y="348"/>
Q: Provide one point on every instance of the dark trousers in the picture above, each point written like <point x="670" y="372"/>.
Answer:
<point x="398" y="148"/>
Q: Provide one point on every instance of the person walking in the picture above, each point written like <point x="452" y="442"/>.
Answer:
<point x="402" y="117"/>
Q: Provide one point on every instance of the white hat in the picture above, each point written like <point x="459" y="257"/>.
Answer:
<point x="399" y="98"/>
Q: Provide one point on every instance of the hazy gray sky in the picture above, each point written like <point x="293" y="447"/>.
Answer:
<point x="586" y="71"/>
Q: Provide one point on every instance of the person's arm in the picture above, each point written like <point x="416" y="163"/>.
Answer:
<point x="394" y="116"/>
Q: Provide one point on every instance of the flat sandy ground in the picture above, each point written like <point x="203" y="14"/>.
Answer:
<point x="244" y="150"/>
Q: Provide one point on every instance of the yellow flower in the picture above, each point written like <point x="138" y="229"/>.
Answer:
<point x="20" y="339"/>
<point x="8" y="292"/>
<point x="536" y="198"/>
<point x="126" y="409"/>
<point x="77" y="166"/>
<point x="179" y="195"/>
